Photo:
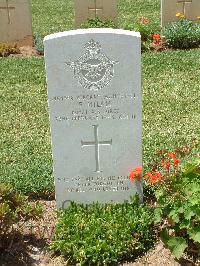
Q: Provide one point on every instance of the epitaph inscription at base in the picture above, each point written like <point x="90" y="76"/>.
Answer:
<point x="94" y="95"/>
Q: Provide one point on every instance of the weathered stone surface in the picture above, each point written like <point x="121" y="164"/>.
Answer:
<point x="94" y="94"/>
<point x="16" y="22"/>
<point x="90" y="9"/>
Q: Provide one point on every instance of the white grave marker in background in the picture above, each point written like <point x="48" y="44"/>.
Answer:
<point x="169" y="9"/>
<point x="16" y="22"/>
<point x="94" y="94"/>
<point x="91" y="9"/>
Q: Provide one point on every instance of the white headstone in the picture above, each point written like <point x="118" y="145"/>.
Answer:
<point x="169" y="8"/>
<point x="94" y="95"/>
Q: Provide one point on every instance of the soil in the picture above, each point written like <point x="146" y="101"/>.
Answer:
<point x="27" y="52"/>
<point x="32" y="249"/>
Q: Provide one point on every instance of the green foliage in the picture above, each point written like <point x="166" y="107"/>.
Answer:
<point x="14" y="211"/>
<point x="7" y="49"/>
<point x="103" y="234"/>
<point x="183" y="34"/>
<point x="98" y="23"/>
<point x="170" y="92"/>
<point x="179" y="204"/>
<point x="145" y="30"/>
<point x="38" y="42"/>
<point x="177" y="245"/>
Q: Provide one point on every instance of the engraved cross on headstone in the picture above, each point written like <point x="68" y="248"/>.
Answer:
<point x="184" y="2"/>
<point x="95" y="10"/>
<point x="8" y="8"/>
<point x="96" y="143"/>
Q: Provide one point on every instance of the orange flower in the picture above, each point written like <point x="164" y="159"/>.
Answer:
<point x="172" y="155"/>
<point x="176" y="162"/>
<point x="135" y="173"/>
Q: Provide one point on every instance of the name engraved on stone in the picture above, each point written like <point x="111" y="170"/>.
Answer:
<point x="96" y="107"/>
<point x="96" y="143"/>
<point x="7" y="8"/>
<point x="93" y="70"/>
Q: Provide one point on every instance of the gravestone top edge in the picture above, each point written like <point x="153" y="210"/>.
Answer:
<point x="91" y="30"/>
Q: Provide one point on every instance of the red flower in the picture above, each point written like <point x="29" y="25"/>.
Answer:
<point x="139" y="170"/>
<point x="135" y="173"/>
<point x="156" y="38"/>
<point x="148" y="176"/>
<point x="176" y="163"/>
<point x="172" y="155"/>
<point x="155" y="178"/>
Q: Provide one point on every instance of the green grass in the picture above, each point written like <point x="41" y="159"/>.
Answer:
<point x="51" y="16"/>
<point x="25" y="144"/>
<point x="171" y="99"/>
<point x="131" y="10"/>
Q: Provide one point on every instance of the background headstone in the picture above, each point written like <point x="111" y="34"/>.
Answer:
<point x="16" y="22"/>
<point x="94" y="95"/>
<point x="169" y="9"/>
<point x="90" y="9"/>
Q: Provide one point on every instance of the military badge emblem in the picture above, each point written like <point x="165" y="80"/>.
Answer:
<point x="93" y="70"/>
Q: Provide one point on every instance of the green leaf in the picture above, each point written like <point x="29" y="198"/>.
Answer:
<point x="164" y="235"/>
<point x="177" y="245"/>
<point x="195" y="234"/>
<point x="159" y="193"/>
<point x="174" y="214"/>
<point x="188" y="214"/>
<point x="190" y="167"/>
<point x="185" y="224"/>
<point x="157" y="215"/>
